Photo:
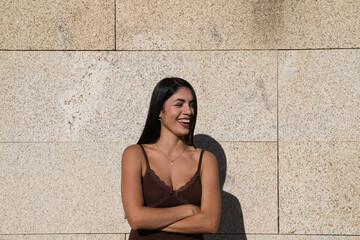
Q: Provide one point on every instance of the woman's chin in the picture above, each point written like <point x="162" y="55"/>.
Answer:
<point x="182" y="134"/>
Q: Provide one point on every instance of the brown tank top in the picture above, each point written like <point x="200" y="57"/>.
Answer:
<point x="158" y="194"/>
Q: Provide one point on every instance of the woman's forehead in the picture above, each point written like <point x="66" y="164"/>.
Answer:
<point x="183" y="93"/>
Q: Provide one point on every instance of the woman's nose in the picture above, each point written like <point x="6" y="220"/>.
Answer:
<point x="187" y="109"/>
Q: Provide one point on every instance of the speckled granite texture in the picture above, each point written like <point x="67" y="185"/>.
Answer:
<point x="248" y="185"/>
<point x="89" y="236"/>
<point x="234" y="24"/>
<point x="59" y="25"/>
<point x="278" y="90"/>
<point x="319" y="95"/>
<point x="319" y="183"/>
<point x="277" y="237"/>
<point x="61" y="188"/>
<point x="87" y="96"/>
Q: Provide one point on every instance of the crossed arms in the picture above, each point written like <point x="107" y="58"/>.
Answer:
<point x="181" y="219"/>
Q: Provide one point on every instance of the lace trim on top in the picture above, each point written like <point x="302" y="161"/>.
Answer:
<point x="162" y="183"/>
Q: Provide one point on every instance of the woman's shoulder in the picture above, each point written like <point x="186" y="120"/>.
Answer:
<point x="132" y="150"/>
<point x="205" y="152"/>
<point x="208" y="161"/>
<point x="207" y="157"/>
<point x="132" y="147"/>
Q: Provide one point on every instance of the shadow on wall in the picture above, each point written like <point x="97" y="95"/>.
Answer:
<point x="231" y="214"/>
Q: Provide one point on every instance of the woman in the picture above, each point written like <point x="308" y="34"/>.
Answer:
<point x="170" y="188"/>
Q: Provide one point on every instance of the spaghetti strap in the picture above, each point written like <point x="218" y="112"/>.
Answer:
<point x="200" y="160"/>
<point x="145" y="155"/>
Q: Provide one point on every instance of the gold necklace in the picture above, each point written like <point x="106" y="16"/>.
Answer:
<point x="171" y="161"/>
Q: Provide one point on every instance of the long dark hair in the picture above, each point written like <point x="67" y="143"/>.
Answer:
<point x="162" y="91"/>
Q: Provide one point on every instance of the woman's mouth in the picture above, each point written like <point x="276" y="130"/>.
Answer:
<point x="184" y="122"/>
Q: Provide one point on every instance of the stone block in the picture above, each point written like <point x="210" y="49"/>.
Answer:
<point x="104" y="96"/>
<point x="248" y="178"/>
<point x="77" y="236"/>
<point x="318" y="24"/>
<point x="318" y="187"/>
<point x="319" y="95"/>
<point x="184" y="25"/>
<point x="79" y="185"/>
<point x="55" y="25"/>
<point x="61" y="188"/>
<point x="276" y="237"/>
<point x="218" y="25"/>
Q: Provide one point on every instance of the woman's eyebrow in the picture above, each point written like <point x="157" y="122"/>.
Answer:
<point x="182" y="100"/>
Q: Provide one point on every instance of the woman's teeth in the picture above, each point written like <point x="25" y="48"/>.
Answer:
<point x="184" y="121"/>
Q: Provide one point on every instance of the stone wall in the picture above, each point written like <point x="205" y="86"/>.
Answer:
<point x="279" y="93"/>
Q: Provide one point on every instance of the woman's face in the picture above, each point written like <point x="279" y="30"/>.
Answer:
<point x="178" y="112"/>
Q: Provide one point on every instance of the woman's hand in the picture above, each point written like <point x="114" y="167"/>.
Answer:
<point x="193" y="209"/>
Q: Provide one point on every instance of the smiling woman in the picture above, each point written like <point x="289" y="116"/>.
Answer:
<point x="170" y="188"/>
<point x="177" y="112"/>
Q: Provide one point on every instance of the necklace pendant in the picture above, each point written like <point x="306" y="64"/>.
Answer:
<point x="172" y="163"/>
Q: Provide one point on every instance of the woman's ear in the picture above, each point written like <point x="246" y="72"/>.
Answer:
<point x="160" y="115"/>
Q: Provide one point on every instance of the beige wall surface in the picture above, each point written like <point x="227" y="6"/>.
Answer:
<point x="278" y="85"/>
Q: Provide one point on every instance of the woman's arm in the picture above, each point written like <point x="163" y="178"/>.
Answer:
<point x="139" y="216"/>
<point x="207" y="221"/>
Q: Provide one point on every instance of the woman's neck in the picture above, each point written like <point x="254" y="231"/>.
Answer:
<point x="170" y="144"/>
